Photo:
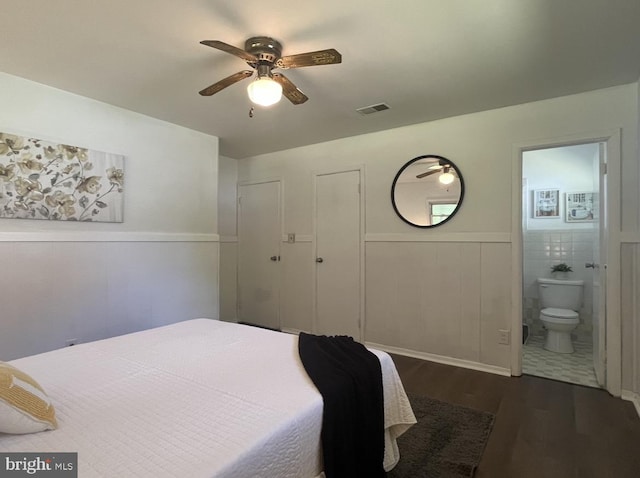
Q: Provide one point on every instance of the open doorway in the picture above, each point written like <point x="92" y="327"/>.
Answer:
<point x="561" y="225"/>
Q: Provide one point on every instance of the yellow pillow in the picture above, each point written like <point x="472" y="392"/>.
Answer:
<point x="24" y="406"/>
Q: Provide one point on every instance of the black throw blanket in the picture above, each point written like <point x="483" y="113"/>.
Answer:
<point x="349" y="377"/>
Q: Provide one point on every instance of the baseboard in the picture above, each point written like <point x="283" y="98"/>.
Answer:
<point x="242" y="322"/>
<point x="481" y="367"/>
<point x="633" y="398"/>
<point x="291" y="331"/>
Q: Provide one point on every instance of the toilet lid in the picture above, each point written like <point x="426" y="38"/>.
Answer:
<point x="560" y="313"/>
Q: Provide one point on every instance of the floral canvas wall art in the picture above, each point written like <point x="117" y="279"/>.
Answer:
<point x="45" y="180"/>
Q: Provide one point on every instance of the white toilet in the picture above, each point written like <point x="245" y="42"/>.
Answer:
<point x="559" y="302"/>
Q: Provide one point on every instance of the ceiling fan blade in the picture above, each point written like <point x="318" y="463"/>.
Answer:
<point x="220" y="45"/>
<point x="290" y="90"/>
<point x="320" y="57"/>
<point x="228" y="81"/>
<point x="428" y="173"/>
<point x="446" y="169"/>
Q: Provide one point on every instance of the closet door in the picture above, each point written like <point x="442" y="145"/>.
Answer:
<point x="338" y="254"/>
<point x="259" y="238"/>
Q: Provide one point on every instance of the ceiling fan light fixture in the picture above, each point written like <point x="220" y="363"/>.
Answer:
<point x="446" y="178"/>
<point x="264" y="91"/>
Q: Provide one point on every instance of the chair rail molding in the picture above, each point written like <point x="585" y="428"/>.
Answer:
<point x="102" y="236"/>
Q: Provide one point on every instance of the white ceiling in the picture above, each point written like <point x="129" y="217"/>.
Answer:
<point x="427" y="59"/>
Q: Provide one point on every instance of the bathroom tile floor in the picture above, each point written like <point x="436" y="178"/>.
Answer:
<point x="573" y="368"/>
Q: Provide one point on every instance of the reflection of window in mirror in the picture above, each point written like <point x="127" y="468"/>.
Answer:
<point x="439" y="211"/>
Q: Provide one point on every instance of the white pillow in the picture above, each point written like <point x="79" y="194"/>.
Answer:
<point x="24" y="406"/>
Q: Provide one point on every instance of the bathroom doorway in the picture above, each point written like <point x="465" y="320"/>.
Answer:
<point x="562" y="227"/>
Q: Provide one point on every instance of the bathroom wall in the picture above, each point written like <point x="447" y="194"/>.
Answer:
<point x="549" y="241"/>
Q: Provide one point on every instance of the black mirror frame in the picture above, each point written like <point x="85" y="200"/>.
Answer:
<point x="406" y="165"/>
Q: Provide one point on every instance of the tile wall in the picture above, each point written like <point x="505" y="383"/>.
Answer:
<point x="544" y="248"/>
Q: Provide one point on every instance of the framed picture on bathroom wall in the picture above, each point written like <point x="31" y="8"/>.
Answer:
<point x="581" y="206"/>
<point x="546" y="203"/>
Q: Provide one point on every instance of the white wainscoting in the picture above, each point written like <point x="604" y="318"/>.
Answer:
<point x="53" y="291"/>
<point x="440" y="359"/>
<point x="228" y="278"/>
<point x="432" y="299"/>
<point x="446" y="299"/>
<point x="630" y="317"/>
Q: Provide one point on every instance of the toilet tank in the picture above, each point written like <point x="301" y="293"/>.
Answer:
<point x="561" y="294"/>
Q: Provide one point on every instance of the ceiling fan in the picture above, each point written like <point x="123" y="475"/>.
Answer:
<point x="444" y="167"/>
<point x="263" y="54"/>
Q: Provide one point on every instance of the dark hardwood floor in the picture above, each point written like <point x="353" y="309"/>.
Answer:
<point x="543" y="428"/>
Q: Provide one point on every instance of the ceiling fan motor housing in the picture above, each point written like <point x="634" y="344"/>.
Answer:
<point x="265" y="49"/>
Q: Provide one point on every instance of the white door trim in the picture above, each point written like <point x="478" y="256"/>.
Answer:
<point x="315" y="174"/>
<point x="611" y="139"/>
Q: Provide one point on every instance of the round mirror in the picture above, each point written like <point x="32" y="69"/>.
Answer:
<point x="427" y="191"/>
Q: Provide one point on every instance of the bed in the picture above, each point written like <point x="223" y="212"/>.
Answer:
<point x="200" y="398"/>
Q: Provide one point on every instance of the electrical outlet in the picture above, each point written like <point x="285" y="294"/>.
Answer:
<point x="504" y="336"/>
<point x="291" y="237"/>
<point x="71" y="342"/>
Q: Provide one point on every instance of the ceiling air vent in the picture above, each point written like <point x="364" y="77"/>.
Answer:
<point x="367" y="110"/>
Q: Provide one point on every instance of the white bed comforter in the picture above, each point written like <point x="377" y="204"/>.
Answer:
<point x="200" y="398"/>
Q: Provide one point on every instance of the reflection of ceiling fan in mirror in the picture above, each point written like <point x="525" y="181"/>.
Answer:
<point x="263" y="54"/>
<point x="447" y="172"/>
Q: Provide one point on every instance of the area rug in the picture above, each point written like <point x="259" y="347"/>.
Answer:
<point x="447" y="442"/>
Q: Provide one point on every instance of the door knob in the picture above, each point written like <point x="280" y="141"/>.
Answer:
<point x="274" y="258"/>
<point x="319" y="259"/>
